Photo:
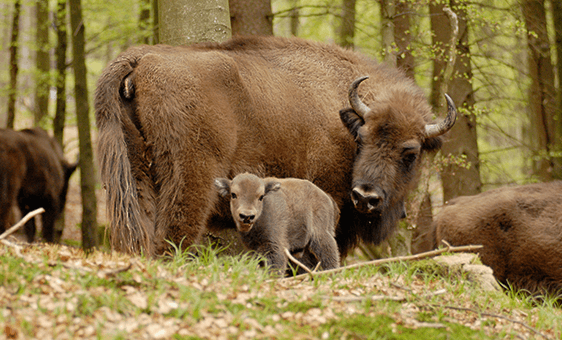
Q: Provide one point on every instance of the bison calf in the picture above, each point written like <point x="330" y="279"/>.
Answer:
<point x="272" y="214"/>
<point x="33" y="174"/>
<point x="520" y="228"/>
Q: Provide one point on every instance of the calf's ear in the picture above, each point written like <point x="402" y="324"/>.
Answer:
<point x="351" y="120"/>
<point x="272" y="186"/>
<point x="223" y="186"/>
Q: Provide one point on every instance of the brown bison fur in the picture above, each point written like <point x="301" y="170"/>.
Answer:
<point x="520" y="228"/>
<point x="172" y="119"/>
<point x="33" y="174"/>
<point x="272" y="214"/>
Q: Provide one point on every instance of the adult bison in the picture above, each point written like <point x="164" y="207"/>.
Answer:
<point x="33" y="174"/>
<point x="171" y="119"/>
<point x="520" y="228"/>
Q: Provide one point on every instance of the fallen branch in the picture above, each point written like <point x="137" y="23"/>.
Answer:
<point x="22" y="222"/>
<point x="17" y="248"/>
<point x="448" y="249"/>
<point x="298" y="263"/>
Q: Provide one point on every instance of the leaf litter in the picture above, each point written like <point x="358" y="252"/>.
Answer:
<point x="113" y="295"/>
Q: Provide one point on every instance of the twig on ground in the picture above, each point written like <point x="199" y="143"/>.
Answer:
<point x="416" y="257"/>
<point x="17" y="248"/>
<point x="298" y="263"/>
<point x="113" y="272"/>
<point x="22" y="222"/>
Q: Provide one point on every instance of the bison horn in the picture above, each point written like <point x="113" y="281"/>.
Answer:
<point x="360" y="108"/>
<point x="434" y="130"/>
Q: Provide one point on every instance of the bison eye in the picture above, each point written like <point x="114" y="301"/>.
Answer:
<point x="261" y="198"/>
<point x="233" y="196"/>
<point x="409" y="159"/>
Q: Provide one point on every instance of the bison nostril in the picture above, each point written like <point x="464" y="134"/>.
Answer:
<point x="355" y="196"/>
<point x="374" y="201"/>
<point x="247" y="218"/>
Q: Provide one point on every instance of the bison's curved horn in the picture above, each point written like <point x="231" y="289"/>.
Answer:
<point x="434" y="130"/>
<point x="360" y="108"/>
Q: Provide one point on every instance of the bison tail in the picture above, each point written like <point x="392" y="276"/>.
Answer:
<point x="129" y="231"/>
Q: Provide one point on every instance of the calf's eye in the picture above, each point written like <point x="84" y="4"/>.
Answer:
<point x="233" y="196"/>
<point x="261" y="198"/>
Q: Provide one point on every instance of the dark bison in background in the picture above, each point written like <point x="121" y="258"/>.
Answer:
<point x="33" y="174"/>
<point x="172" y="119"/>
<point x="520" y="228"/>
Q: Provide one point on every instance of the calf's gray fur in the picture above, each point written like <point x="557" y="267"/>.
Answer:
<point x="272" y="214"/>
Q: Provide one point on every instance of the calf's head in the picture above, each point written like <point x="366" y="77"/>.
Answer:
<point x="390" y="135"/>
<point x="247" y="193"/>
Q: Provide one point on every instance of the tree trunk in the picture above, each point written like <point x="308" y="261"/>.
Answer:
<point x="144" y="21"/>
<point x="346" y="28"/>
<point x="13" y="65"/>
<point x="87" y="172"/>
<point x="294" y="18"/>
<point x="251" y="17"/>
<point x="60" y="110"/>
<point x="403" y="38"/>
<point x="461" y="172"/>
<point x="192" y="21"/>
<point x="155" y="23"/>
<point x="387" y="31"/>
<point x="557" y="18"/>
<point x="62" y="42"/>
<point x="542" y="97"/>
<point x="42" y="61"/>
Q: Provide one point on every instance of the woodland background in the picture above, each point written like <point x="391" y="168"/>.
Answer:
<point x="505" y="79"/>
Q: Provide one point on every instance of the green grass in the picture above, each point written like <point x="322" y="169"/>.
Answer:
<point x="58" y="292"/>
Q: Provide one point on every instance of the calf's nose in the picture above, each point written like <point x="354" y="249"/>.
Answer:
<point x="247" y="217"/>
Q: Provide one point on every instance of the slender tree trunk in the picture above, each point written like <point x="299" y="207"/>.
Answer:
<point x="155" y="22"/>
<point x="461" y="174"/>
<point x="346" y="28"/>
<point x="144" y="21"/>
<point x="251" y="17"/>
<point x="60" y="110"/>
<point x="87" y="172"/>
<point x="557" y="18"/>
<point x="62" y="42"/>
<point x="191" y="21"/>
<point x="14" y="48"/>
<point x="387" y="31"/>
<point x="294" y="18"/>
<point x="42" y="61"/>
<point x="403" y="37"/>
<point x="542" y="97"/>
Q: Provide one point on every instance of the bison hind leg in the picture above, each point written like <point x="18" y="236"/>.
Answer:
<point x="325" y="248"/>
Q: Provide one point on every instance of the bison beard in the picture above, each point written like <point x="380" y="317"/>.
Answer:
<point x="171" y="119"/>
<point x="33" y="174"/>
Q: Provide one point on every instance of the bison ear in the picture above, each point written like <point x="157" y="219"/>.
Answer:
<point x="223" y="186"/>
<point x="432" y="144"/>
<point x="272" y="186"/>
<point x="351" y="120"/>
